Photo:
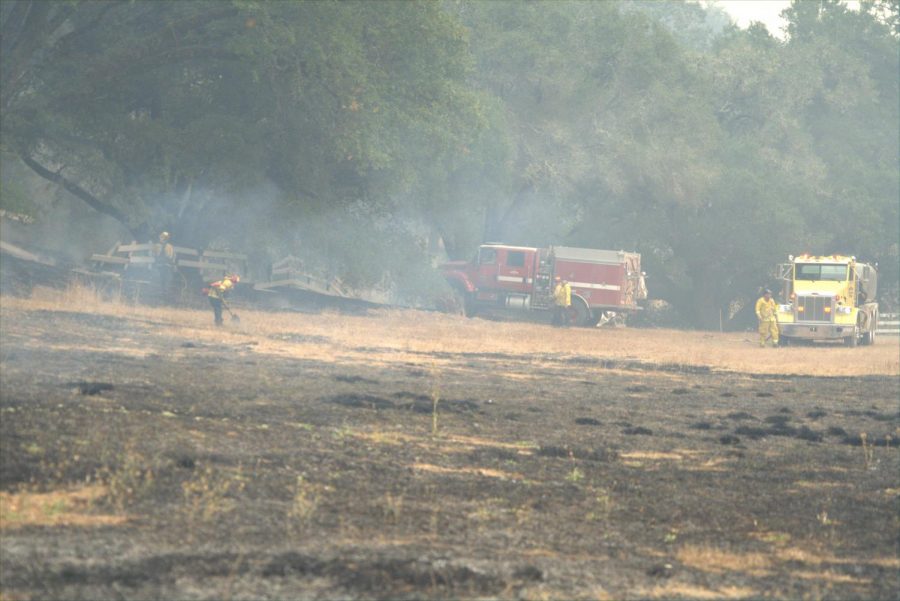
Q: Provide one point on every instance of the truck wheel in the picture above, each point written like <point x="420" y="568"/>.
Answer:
<point x="869" y="337"/>
<point x="458" y="302"/>
<point x="785" y="341"/>
<point x="851" y="341"/>
<point x="581" y="313"/>
<point x="468" y="304"/>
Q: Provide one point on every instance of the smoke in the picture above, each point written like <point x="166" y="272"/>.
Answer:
<point x="58" y="224"/>
<point x="382" y="253"/>
<point x="369" y="246"/>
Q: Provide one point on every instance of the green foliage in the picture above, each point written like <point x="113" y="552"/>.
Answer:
<point x="14" y="197"/>
<point x="714" y="164"/>
<point x="353" y="133"/>
<point x="141" y="104"/>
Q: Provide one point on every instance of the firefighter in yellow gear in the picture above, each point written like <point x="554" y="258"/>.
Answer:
<point x="164" y="249"/>
<point x="766" y="313"/>
<point x="218" y="291"/>
<point x="164" y="262"/>
<point x="562" y="301"/>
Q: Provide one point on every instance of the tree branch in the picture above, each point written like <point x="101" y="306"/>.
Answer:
<point x="77" y="191"/>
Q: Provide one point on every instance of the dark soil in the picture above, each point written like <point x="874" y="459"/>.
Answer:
<point x="253" y="475"/>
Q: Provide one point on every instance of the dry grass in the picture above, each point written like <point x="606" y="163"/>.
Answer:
<point x="406" y="335"/>
<point x="719" y="561"/>
<point x="466" y="471"/>
<point x="69" y="507"/>
<point x="710" y="559"/>
<point x="651" y="455"/>
<point x="443" y="445"/>
<point x="688" y="591"/>
<point x="815" y="558"/>
<point x="830" y="577"/>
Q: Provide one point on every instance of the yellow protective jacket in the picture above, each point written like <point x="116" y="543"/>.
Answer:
<point x="562" y="295"/>
<point x="220" y="289"/>
<point x="766" y="309"/>
<point x="164" y="251"/>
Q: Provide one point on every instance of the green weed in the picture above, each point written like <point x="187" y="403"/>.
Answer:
<point x="391" y="507"/>
<point x="868" y="451"/>
<point x="575" y="476"/>
<point x="206" y="495"/>
<point x="128" y="477"/>
<point x="435" y="399"/>
<point x="305" y="501"/>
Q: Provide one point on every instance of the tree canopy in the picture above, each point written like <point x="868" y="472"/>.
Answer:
<point x="354" y="132"/>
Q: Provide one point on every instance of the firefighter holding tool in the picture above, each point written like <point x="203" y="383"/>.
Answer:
<point x="218" y="291"/>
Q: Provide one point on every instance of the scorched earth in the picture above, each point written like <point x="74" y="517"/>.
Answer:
<point x="402" y="454"/>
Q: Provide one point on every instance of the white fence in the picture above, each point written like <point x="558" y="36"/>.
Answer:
<point x="888" y="324"/>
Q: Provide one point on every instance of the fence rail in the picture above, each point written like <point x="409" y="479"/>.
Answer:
<point x="888" y="324"/>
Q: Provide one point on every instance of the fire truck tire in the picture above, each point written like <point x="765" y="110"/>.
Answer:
<point x="851" y="341"/>
<point x="458" y="302"/>
<point x="581" y="313"/>
<point x="869" y="336"/>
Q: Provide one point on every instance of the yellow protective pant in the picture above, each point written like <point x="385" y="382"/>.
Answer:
<point x="768" y="329"/>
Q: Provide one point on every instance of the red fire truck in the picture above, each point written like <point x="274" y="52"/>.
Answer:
<point x="605" y="283"/>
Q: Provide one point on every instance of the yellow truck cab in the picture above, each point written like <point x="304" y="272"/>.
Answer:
<point x="828" y="298"/>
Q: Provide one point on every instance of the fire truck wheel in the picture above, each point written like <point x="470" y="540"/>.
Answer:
<point x="851" y="341"/>
<point x="581" y="313"/>
<point x="869" y="336"/>
<point x="456" y="303"/>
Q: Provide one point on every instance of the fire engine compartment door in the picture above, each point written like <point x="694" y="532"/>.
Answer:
<point x="600" y="284"/>
<point x="515" y="269"/>
<point x="597" y="275"/>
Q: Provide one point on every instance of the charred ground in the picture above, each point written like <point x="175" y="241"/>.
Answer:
<point x="148" y="455"/>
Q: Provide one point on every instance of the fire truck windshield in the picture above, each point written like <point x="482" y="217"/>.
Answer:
<point x="816" y="271"/>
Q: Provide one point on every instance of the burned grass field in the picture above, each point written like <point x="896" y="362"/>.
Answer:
<point x="146" y="455"/>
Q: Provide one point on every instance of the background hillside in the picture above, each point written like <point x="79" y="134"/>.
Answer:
<point x="370" y="138"/>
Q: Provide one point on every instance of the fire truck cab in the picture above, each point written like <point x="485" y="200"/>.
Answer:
<point x="828" y="298"/>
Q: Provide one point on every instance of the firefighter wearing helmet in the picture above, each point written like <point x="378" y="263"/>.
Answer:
<point x="218" y="292"/>
<point x="766" y="313"/>
<point x="164" y="262"/>
<point x="562" y="301"/>
<point x="163" y="250"/>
